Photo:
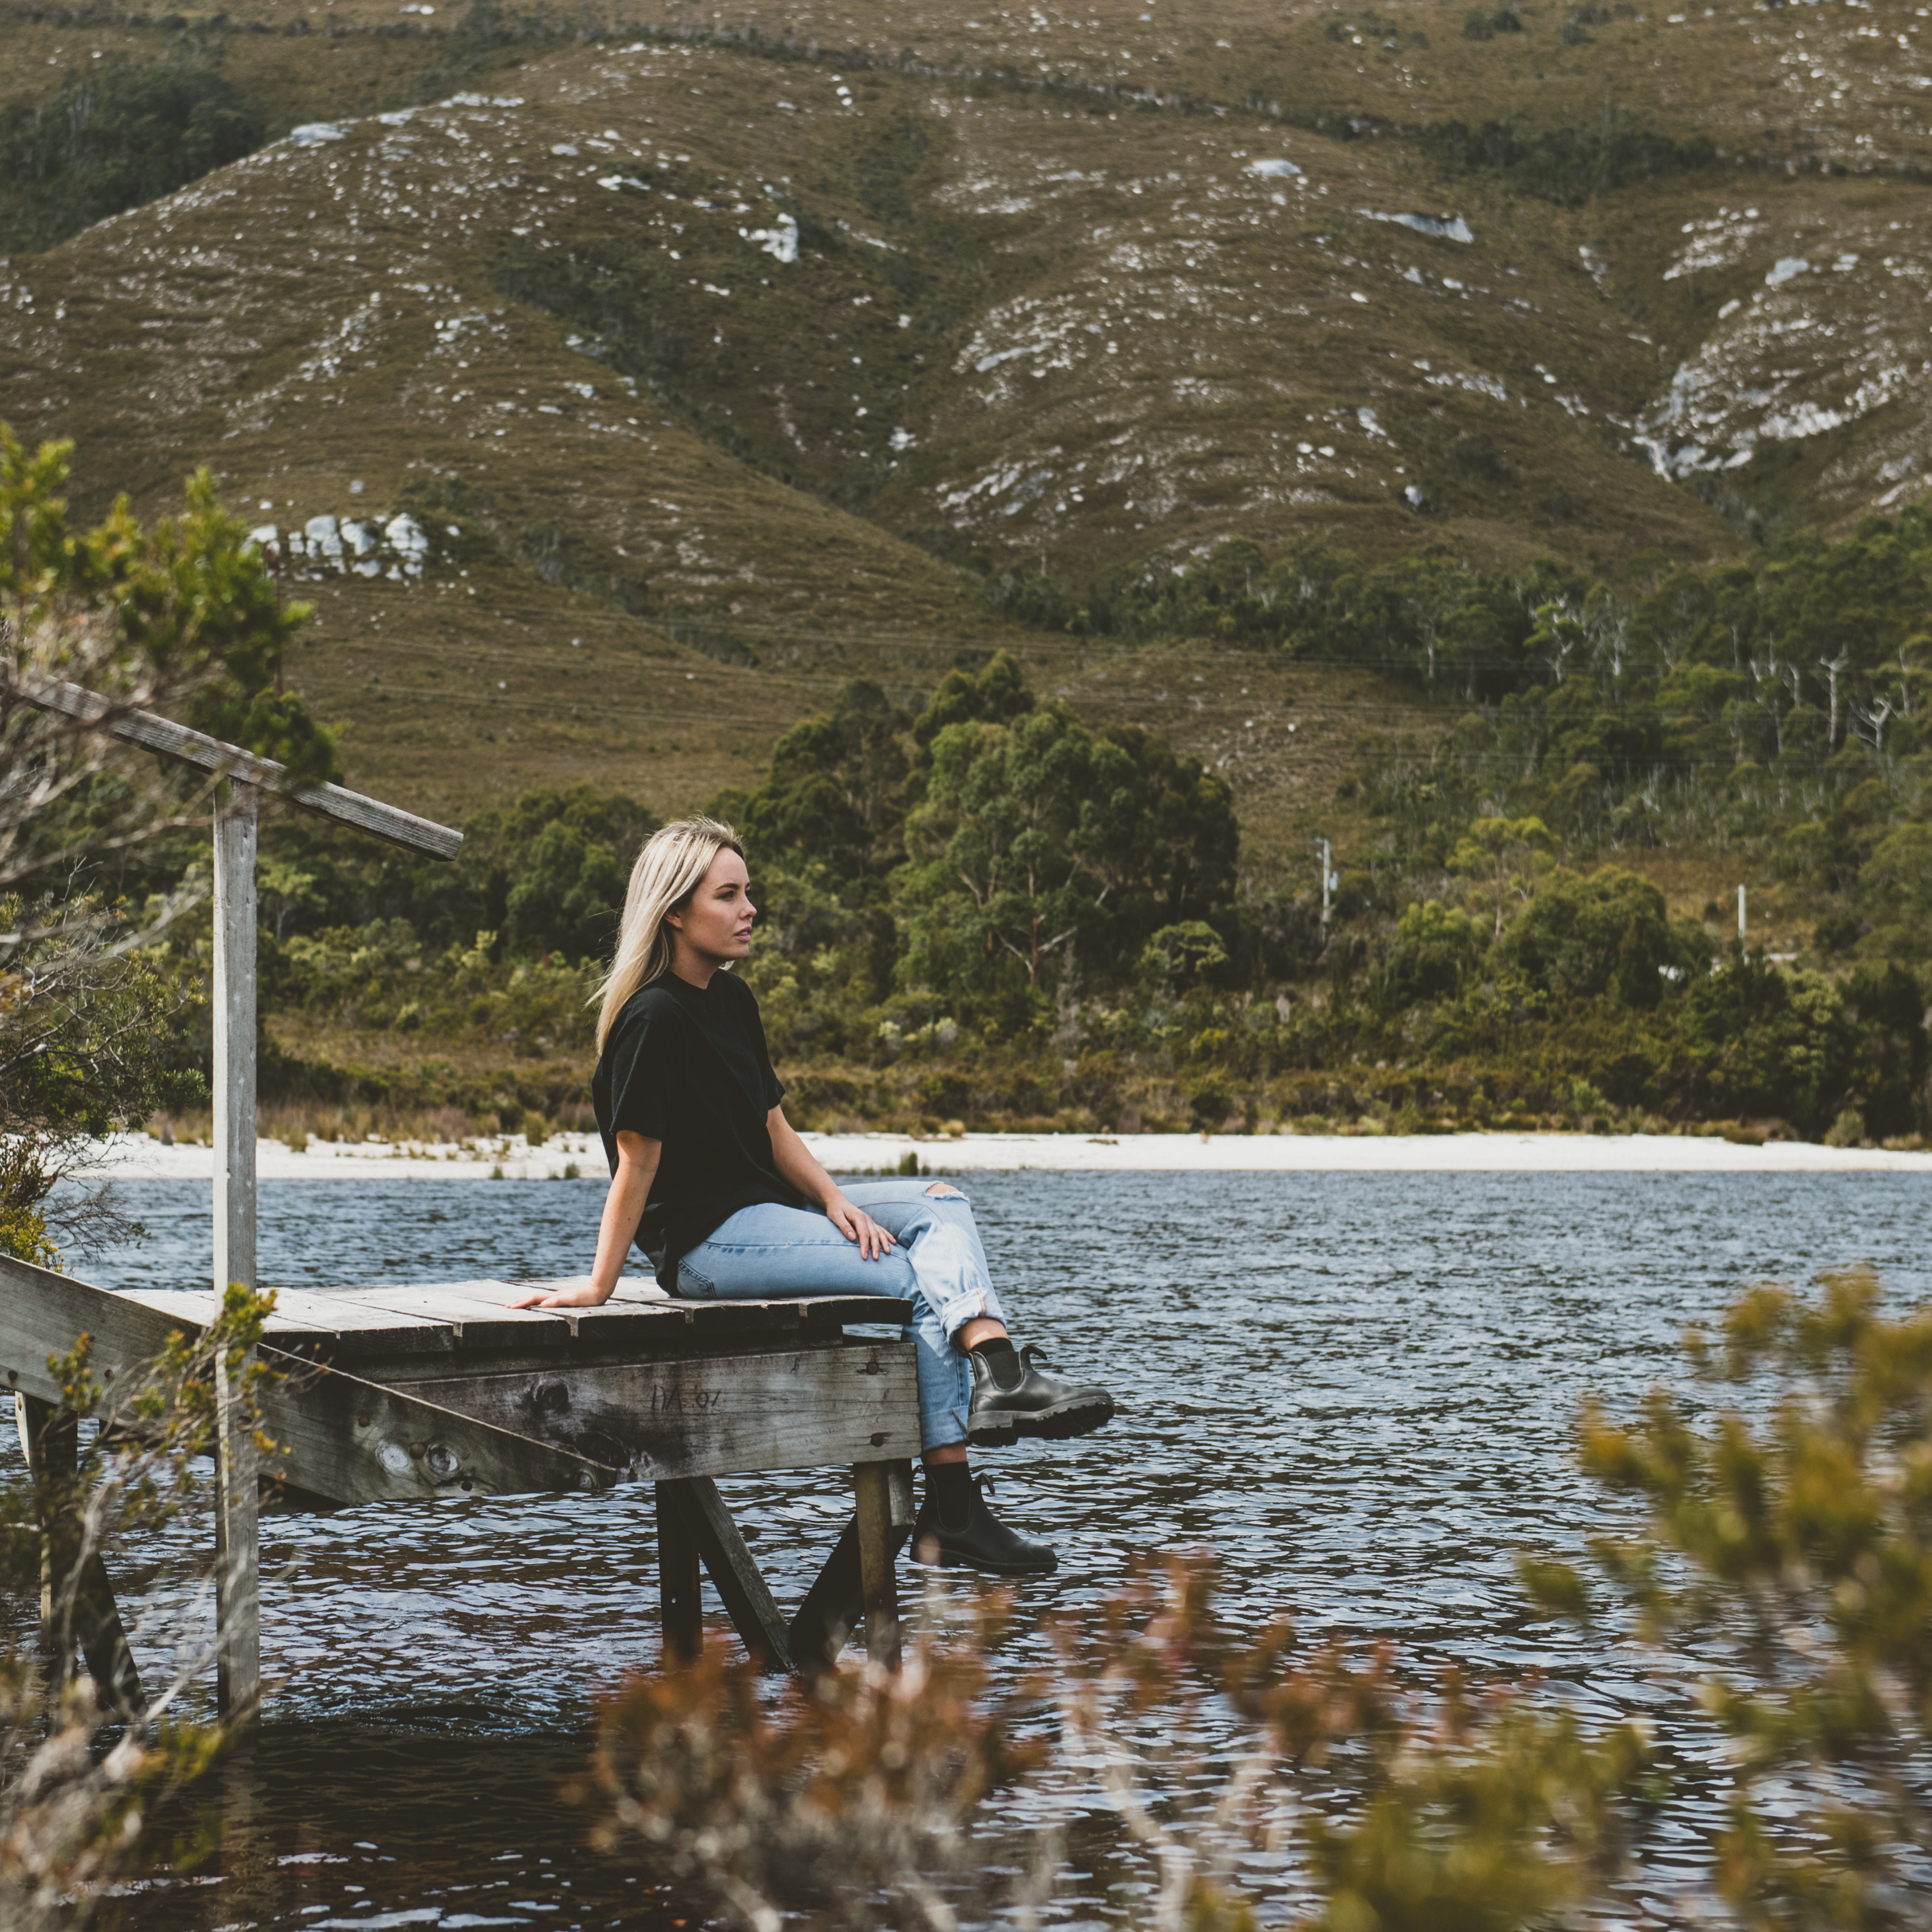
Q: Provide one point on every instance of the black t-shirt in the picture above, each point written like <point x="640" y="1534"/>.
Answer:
<point x="690" y="1069"/>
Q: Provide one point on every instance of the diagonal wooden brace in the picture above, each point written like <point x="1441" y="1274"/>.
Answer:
<point x="701" y="1514"/>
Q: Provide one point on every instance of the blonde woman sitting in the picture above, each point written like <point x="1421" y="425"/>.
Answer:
<point x="711" y="1182"/>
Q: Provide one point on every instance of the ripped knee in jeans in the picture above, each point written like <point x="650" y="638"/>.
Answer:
<point x="946" y="1191"/>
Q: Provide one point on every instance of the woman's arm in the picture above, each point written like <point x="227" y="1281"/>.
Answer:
<point x="623" y="1209"/>
<point x="794" y="1161"/>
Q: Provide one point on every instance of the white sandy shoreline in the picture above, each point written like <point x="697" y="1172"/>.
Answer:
<point x="137" y="1157"/>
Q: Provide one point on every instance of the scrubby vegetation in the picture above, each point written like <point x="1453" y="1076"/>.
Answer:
<point x="986" y="913"/>
<point x="98" y="999"/>
<point x="122" y="1453"/>
<point x="114" y="136"/>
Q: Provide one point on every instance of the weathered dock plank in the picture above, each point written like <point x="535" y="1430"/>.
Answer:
<point x="709" y="1320"/>
<point x="192" y="1310"/>
<point x="682" y="1416"/>
<point x="473" y="1314"/>
<point x="43" y="1314"/>
<point x="637" y="1317"/>
<point x="347" y="1440"/>
<point x="475" y="1322"/>
<point x="351" y="1328"/>
<point x="630" y="1287"/>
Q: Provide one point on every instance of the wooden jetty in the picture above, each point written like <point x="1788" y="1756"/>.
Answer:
<point x="395" y="1393"/>
<point x="412" y="1393"/>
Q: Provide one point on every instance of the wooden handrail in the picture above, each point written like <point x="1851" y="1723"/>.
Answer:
<point x="171" y="740"/>
<point x="238" y="1648"/>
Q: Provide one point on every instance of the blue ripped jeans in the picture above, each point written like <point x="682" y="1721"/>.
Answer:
<point x="939" y="1266"/>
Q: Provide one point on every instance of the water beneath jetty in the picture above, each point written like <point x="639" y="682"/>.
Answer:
<point x="1357" y="1388"/>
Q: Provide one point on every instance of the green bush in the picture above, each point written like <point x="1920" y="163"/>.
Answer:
<point x="1772" y="1042"/>
<point x="1178" y="958"/>
<point x="118" y="133"/>
<point x="1609" y="933"/>
<point x="1434" y="947"/>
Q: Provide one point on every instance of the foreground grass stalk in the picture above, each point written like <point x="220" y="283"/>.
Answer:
<point x="851" y="1797"/>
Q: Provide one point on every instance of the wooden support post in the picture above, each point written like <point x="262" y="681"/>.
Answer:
<point x="237" y="1547"/>
<point x="835" y="1605"/>
<point x="50" y="1440"/>
<point x="872" y="1486"/>
<point x="76" y="1598"/>
<point x="237" y="1599"/>
<point x="898" y="1475"/>
<point x="747" y="1597"/>
<point x="678" y="1605"/>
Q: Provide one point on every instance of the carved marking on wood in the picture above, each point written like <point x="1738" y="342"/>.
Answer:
<point x="711" y="1417"/>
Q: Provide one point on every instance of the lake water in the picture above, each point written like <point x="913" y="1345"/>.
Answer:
<point x="1358" y="1389"/>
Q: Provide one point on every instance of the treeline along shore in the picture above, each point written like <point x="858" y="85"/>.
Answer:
<point x="979" y="912"/>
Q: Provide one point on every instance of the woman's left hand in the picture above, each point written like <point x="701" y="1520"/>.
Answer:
<point x="582" y="1296"/>
<point x="855" y="1225"/>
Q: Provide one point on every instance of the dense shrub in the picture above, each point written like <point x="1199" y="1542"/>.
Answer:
<point x="1434" y="948"/>
<point x="117" y="133"/>
<point x="1609" y="933"/>
<point x="1567" y="165"/>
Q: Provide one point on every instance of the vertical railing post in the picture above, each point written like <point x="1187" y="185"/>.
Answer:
<point x="237" y="1612"/>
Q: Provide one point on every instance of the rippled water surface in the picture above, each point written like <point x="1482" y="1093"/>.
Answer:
<point x="1357" y="1388"/>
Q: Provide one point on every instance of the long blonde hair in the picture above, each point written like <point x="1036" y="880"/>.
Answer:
<point x="670" y="868"/>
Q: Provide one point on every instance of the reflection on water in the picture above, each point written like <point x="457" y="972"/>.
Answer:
<point x="1357" y="1388"/>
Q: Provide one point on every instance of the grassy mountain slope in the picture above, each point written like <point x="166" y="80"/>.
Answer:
<point x="714" y="365"/>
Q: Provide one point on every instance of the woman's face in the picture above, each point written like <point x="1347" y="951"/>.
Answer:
<point x="716" y="926"/>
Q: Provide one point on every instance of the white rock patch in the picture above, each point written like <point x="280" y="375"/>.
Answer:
<point x="1448" y="227"/>
<point x="1786" y="365"/>
<point x="1715" y="243"/>
<point x="367" y="546"/>
<point x="780" y="241"/>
